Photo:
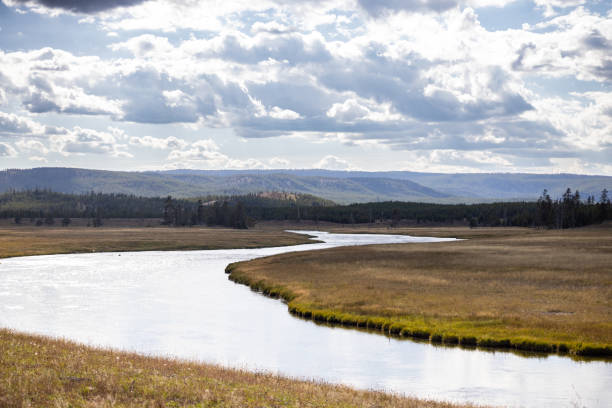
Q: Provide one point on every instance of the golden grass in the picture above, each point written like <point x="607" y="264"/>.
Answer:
<point x="523" y="288"/>
<point x="22" y="241"/>
<point x="42" y="372"/>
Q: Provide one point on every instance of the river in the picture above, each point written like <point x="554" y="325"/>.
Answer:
<point x="181" y="304"/>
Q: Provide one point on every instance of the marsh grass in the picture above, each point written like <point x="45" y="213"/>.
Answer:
<point x="23" y="241"/>
<point x="545" y="291"/>
<point x="41" y="372"/>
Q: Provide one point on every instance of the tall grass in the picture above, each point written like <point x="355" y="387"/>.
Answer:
<point x="544" y="291"/>
<point x="22" y="241"/>
<point x="42" y="372"/>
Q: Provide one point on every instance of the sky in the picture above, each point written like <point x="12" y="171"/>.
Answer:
<point x="419" y="85"/>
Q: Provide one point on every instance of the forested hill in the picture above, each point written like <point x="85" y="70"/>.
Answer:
<point x="153" y="184"/>
<point x="339" y="186"/>
<point x="473" y="186"/>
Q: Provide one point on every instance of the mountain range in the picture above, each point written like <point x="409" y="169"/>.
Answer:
<point x="339" y="186"/>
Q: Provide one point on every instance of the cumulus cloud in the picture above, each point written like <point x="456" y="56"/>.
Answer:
<point x="278" y="163"/>
<point x="79" y="141"/>
<point x="577" y="43"/>
<point x="423" y="75"/>
<point x="11" y="124"/>
<point x="288" y="114"/>
<point x="331" y="162"/>
<point x="272" y="27"/>
<point x="205" y="153"/>
<point x="205" y="150"/>
<point x="32" y="146"/>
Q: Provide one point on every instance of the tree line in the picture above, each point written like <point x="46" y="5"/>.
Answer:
<point x="43" y="207"/>
<point x="213" y="213"/>
<point x="570" y="211"/>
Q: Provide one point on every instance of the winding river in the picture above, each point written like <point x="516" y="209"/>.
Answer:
<point x="182" y="304"/>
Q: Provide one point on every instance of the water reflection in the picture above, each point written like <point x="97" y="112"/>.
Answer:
<point x="182" y="304"/>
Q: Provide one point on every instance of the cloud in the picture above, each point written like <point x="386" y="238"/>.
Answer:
<point x="6" y="150"/>
<point x="283" y="114"/>
<point x="574" y="44"/>
<point x="32" y="146"/>
<point x="205" y="154"/>
<point x="550" y="6"/>
<point x="205" y="150"/>
<point x="79" y="141"/>
<point x="144" y="45"/>
<point x="420" y="76"/>
<point x="469" y="159"/>
<point x="11" y="124"/>
<point x="331" y="162"/>
<point x="597" y="40"/>
<point x="271" y="27"/>
<point x="291" y="47"/>
<point x="169" y="142"/>
<point x="278" y="163"/>
<point x="379" y="7"/>
<point x="76" y="6"/>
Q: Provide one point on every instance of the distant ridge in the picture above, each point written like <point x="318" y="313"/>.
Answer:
<point x="486" y="186"/>
<point x="189" y="184"/>
<point x="339" y="186"/>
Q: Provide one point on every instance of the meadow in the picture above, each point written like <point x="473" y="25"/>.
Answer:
<point x="527" y="289"/>
<point x="26" y="240"/>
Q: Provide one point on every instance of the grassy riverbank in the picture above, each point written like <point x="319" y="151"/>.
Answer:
<point x="41" y="372"/>
<point x="527" y="289"/>
<point x="23" y="241"/>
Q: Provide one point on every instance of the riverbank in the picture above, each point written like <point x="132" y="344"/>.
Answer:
<point x="40" y="372"/>
<point x="526" y="289"/>
<point x="24" y="241"/>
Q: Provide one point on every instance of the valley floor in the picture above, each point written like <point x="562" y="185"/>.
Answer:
<point x="544" y="287"/>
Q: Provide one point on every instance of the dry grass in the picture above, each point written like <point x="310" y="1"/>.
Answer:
<point x="524" y="288"/>
<point x="42" y="372"/>
<point x="22" y="241"/>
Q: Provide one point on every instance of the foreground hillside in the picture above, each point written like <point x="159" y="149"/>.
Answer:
<point x="507" y="287"/>
<point x="42" y="372"/>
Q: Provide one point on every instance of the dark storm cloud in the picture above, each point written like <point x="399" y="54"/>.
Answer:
<point x="83" y="6"/>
